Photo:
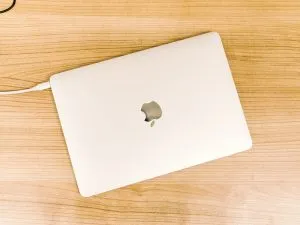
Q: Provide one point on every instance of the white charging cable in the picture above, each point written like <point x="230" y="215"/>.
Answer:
<point x="39" y="87"/>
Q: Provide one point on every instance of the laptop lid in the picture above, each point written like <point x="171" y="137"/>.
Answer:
<point x="185" y="92"/>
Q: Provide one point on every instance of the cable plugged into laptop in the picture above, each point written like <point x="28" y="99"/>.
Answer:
<point x="39" y="87"/>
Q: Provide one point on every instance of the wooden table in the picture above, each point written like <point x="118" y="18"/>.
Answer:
<point x="262" y="39"/>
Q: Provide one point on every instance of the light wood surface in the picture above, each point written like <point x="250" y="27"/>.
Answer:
<point x="262" y="40"/>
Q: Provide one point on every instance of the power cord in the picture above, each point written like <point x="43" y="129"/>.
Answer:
<point x="39" y="87"/>
<point x="10" y="7"/>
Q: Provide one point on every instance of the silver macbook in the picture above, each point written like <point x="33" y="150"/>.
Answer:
<point x="150" y="113"/>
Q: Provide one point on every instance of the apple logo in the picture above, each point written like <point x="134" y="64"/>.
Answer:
<point x="152" y="112"/>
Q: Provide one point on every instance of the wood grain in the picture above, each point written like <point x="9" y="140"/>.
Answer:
<point x="262" y="40"/>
